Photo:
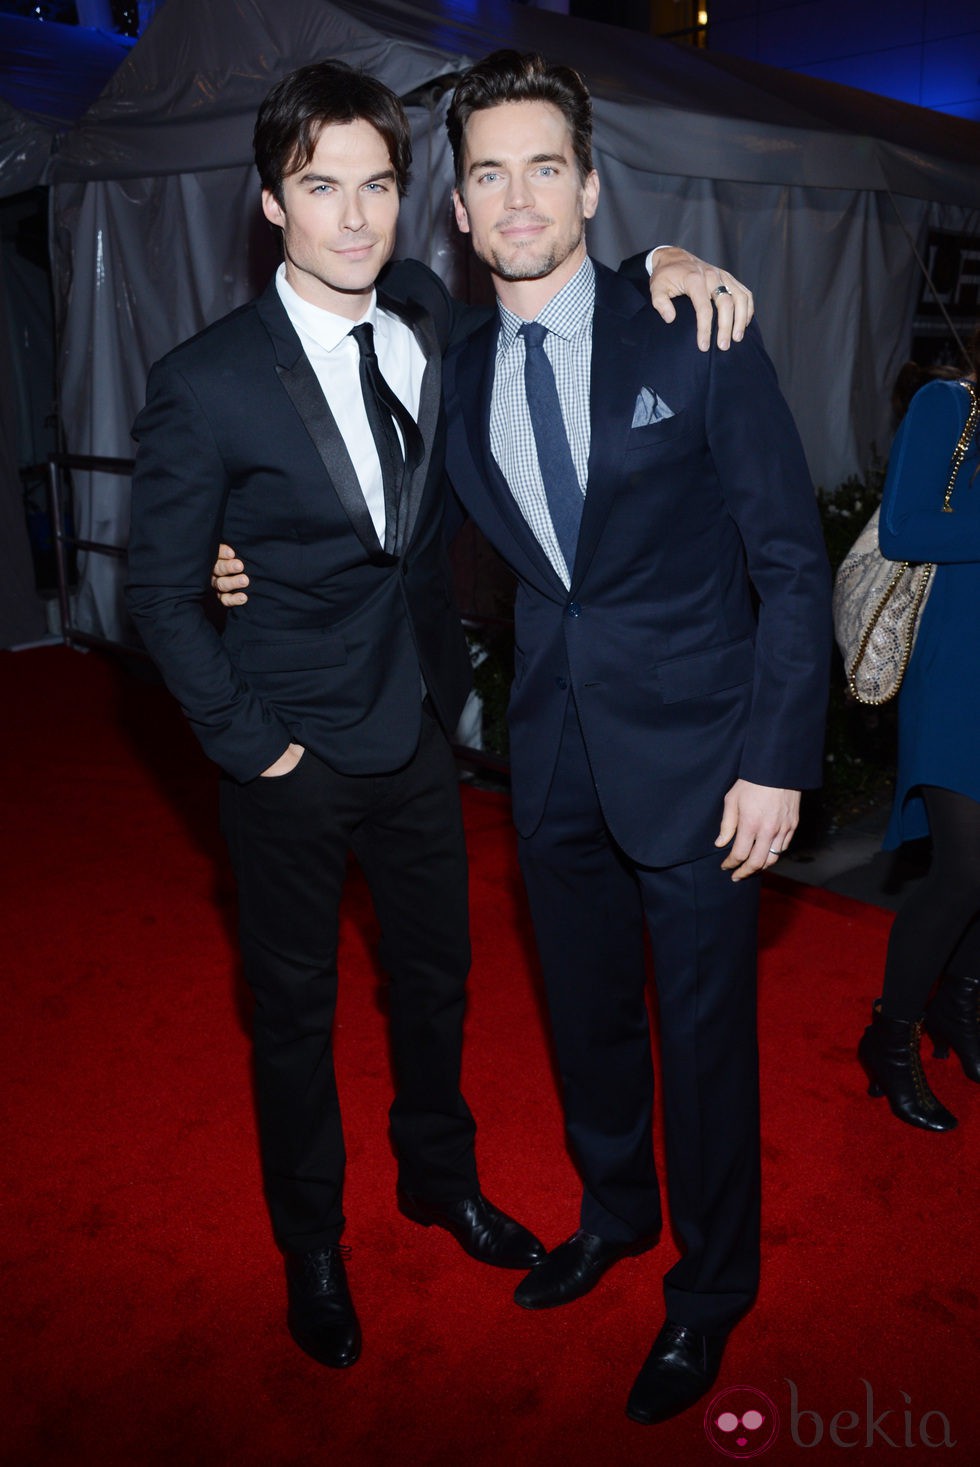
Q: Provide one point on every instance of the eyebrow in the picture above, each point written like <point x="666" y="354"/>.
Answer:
<point x="535" y="158"/>
<point x="385" y="175"/>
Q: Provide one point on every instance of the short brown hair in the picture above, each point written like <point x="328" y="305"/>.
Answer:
<point x="510" y="76"/>
<point x="302" y="104"/>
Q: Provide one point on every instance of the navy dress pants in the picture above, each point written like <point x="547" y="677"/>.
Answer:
<point x="590" y="906"/>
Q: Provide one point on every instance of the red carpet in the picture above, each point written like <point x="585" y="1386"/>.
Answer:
<point x="142" y="1298"/>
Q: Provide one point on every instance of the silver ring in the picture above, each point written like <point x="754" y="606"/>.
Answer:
<point x="720" y="290"/>
<point x="773" y="851"/>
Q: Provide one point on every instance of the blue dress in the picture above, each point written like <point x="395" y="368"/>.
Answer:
<point x="939" y="704"/>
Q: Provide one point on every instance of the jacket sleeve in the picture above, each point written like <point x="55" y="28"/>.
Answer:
<point x="635" y="271"/>
<point x="759" y="459"/>
<point x="912" y="525"/>
<point x="179" y="490"/>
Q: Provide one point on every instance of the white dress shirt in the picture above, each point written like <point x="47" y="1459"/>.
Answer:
<point x="334" y="356"/>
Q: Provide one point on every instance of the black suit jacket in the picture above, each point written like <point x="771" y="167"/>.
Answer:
<point x="236" y="442"/>
<point x="695" y="638"/>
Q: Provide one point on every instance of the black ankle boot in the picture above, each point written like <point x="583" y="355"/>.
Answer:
<point x="952" y="1022"/>
<point x="889" y="1052"/>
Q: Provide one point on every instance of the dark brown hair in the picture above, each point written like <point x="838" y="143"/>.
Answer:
<point x="509" y="76"/>
<point x="302" y="104"/>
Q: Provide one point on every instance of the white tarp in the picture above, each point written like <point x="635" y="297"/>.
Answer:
<point x="809" y="192"/>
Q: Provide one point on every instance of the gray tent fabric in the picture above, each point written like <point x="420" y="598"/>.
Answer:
<point x="810" y="192"/>
<point x="25" y="146"/>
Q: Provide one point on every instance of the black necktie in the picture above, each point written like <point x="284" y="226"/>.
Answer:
<point x="383" y="410"/>
<point x="558" y="474"/>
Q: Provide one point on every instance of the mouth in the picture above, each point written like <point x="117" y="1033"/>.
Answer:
<point x="356" y="252"/>
<point x="523" y="228"/>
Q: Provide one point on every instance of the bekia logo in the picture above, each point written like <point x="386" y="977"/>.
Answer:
<point x="742" y="1422"/>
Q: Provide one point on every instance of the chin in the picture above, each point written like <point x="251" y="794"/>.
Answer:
<point x="522" y="268"/>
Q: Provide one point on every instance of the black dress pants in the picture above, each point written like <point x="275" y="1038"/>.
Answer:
<point x="289" y="838"/>
<point x="590" y="904"/>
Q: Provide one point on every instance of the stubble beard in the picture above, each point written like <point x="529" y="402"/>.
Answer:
<point x="525" y="265"/>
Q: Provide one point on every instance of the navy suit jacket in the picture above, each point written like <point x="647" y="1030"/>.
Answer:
<point x="695" y="638"/>
<point x="236" y="442"/>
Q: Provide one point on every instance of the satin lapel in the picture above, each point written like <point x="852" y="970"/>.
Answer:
<point x="618" y="329"/>
<point x="430" y="402"/>
<point x="300" y="382"/>
<point x="518" y="545"/>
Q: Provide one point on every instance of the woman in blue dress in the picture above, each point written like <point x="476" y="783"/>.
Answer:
<point x="934" y="946"/>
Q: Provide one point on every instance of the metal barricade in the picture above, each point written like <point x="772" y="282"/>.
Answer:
<point x="72" y="635"/>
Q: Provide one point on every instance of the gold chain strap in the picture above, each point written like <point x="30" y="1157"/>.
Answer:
<point x="959" y="452"/>
<point x="876" y="616"/>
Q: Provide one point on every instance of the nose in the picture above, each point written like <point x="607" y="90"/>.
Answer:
<point x="353" y="216"/>
<point x="518" y="195"/>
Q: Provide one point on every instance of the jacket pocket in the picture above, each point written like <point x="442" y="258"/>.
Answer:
<point x="712" y="671"/>
<point x="292" y="652"/>
<point x="650" y="435"/>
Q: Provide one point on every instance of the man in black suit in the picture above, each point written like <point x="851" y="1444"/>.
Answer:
<point x="329" y="708"/>
<point x="307" y="429"/>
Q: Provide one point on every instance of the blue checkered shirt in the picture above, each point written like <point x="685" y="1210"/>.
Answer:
<point x="568" y="318"/>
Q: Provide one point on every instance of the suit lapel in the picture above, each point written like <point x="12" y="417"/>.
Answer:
<point x="430" y="403"/>
<point x="300" y="382"/>
<point x="617" y="332"/>
<point x="496" y="511"/>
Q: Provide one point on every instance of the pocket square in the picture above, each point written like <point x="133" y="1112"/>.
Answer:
<point x="650" y="408"/>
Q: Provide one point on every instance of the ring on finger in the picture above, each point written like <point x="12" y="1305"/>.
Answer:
<point x="720" y="290"/>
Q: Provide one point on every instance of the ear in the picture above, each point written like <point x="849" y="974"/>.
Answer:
<point x="459" y="208"/>
<point x="272" y="209"/>
<point x="590" y="195"/>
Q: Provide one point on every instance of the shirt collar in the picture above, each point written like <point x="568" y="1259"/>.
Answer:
<point x="567" y="314"/>
<point x="325" y="329"/>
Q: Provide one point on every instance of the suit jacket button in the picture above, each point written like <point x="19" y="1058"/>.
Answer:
<point x="561" y="682"/>
<point x="574" y="609"/>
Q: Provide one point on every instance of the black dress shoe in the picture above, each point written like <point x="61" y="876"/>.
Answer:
<point x="321" y="1316"/>
<point x="572" y="1269"/>
<point x="679" y="1370"/>
<point x="480" y="1229"/>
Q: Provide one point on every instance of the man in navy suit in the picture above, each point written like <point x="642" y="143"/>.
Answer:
<point x="672" y="652"/>
<point x="307" y="427"/>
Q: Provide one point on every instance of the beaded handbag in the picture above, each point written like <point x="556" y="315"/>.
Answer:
<point x="878" y="602"/>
